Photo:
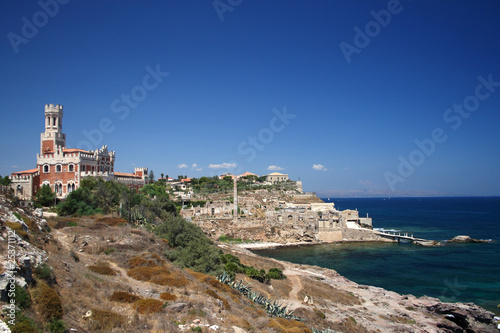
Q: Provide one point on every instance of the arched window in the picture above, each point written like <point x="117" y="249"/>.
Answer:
<point x="58" y="168"/>
<point x="71" y="168"/>
<point x="46" y="168"/>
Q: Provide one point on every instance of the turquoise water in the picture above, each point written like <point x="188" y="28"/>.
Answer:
<point x="453" y="273"/>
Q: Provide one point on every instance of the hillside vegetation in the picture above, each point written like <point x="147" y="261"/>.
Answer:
<point x="119" y="261"/>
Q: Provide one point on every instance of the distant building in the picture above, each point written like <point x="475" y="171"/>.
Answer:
<point x="63" y="168"/>
<point x="229" y="174"/>
<point x="276" y="177"/>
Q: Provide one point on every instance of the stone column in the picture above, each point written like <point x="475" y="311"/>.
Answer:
<point x="235" y="200"/>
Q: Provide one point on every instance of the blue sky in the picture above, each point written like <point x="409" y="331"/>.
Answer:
<point x="292" y="84"/>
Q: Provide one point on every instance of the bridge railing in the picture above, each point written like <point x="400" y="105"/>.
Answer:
<point x="396" y="234"/>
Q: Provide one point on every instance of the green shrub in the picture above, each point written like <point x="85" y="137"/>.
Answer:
<point x="275" y="274"/>
<point x="109" y="250"/>
<point x="190" y="247"/>
<point x="23" y="324"/>
<point x="57" y="326"/>
<point x="44" y="272"/>
<point x="259" y="275"/>
<point x="21" y="296"/>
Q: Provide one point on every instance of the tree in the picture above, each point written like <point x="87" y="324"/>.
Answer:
<point x="162" y="175"/>
<point x="45" y="196"/>
<point x="151" y="176"/>
<point x="5" y="181"/>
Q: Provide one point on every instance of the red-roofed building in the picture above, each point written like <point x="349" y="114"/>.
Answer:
<point x="63" y="168"/>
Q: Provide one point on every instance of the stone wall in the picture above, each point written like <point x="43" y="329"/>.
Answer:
<point x="329" y="235"/>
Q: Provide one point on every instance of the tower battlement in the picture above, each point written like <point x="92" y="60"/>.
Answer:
<point x="141" y="172"/>
<point x="53" y="108"/>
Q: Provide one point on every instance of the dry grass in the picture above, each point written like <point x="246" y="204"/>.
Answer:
<point x="313" y="317"/>
<point x="47" y="302"/>
<point x="239" y="321"/>
<point x="168" y="296"/>
<point x="158" y="275"/>
<point x="146" y="260"/>
<point x="288" y="326"/>
<point x="214" y="294"/>
<point x="281" y="288"/>
<point x="123" y="297"/>
<point x="147" y="273"/>
<point x="173" y="280"/>
<point x="18" y="229"/>
<point x="349" y="325"/>
<point x="320" y="292"/>
<point x="32" y="226"/>
<point x="398" y="319"/>
<point x="102" y="268"/>
<point x="105" y="321"/>
<point x="260" y="262"/>
<point x="148" y="305"/>
<point x="112" y="221"/>
<point x="197" y="275"/>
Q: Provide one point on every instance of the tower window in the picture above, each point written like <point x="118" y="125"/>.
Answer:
<point x="71" y="168"/>
<point x="58" y="168"/>
<point x="46" y="168"/>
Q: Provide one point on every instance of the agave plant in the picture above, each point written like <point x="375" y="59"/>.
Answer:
<point x="225" y="278"/>
<point x="273" y="307"/>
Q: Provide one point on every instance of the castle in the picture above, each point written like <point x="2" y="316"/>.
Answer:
<point x="63" y="168"/>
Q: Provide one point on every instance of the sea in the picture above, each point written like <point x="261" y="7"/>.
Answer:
<point x="452" y="273"/>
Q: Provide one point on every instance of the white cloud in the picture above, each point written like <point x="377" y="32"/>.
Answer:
<point x="182" y="166"/>
<point x="275" y="168"/>
<point x="319" y="167"/>
<point x="15" y="166"/>
<point x="195" y="167"/>
<point x="222" y="166"/>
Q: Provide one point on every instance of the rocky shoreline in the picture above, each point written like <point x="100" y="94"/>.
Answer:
<point x="386" y="311"/>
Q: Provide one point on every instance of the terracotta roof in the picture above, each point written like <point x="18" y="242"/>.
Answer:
<point x="74" y="150"/>
<point x="247" y="174"/>
<point x="185" y="180"/>
<point x="30" y="171"/>
<point x="125" y="174"/>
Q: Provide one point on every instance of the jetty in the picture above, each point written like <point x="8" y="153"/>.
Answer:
<point x="401" y="237"/>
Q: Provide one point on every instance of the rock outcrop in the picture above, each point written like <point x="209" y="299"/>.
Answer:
<point x="467" y="239"/>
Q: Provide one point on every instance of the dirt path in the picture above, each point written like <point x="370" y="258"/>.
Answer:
<point x="293" y="298"/>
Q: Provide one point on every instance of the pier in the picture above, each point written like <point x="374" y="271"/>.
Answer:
<point x="400" y="236"/>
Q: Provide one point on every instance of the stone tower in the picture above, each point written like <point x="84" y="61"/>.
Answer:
<point x="53" y="135"/>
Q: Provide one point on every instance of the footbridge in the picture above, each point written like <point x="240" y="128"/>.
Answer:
<point x="399" y="236"/>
